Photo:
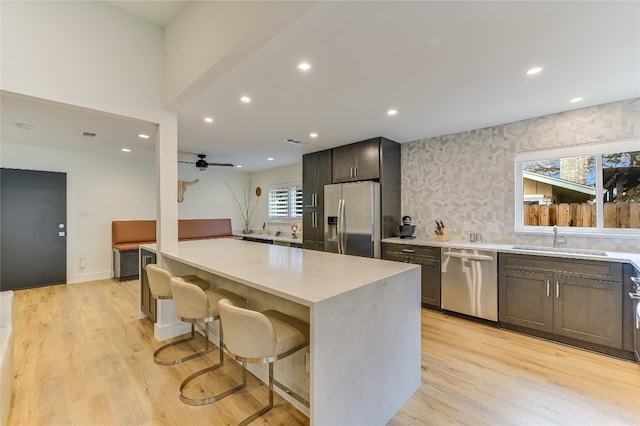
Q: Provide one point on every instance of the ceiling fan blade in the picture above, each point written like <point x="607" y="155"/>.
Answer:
<point x="221" y="164"/>
<point x="186" y="162"/>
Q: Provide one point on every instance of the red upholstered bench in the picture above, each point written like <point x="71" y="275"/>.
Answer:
<point x="127" y="235"/>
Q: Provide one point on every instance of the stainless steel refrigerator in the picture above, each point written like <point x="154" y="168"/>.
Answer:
<point x="352" y="212"/>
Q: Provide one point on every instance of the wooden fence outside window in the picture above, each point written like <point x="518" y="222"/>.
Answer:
<point x="616" y="215"/>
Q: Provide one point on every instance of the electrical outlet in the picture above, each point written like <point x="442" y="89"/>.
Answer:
<point x="84" y="213"/>
<point x="492" y="227"/>
<point x="83" y="262"/>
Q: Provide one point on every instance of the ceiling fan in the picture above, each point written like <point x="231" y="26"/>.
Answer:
<point x="202" y="163"/>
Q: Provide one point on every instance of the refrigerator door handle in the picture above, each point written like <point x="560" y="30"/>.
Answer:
<point x="341" y="227"/>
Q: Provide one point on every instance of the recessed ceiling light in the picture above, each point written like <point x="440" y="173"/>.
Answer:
<point x="574" y="100"/>
<point x="313" y="135"/>
<point x="392" y="112"/>
<point x="534" y="70"/>
<point x="304" y="66"/>
<point x="270" y="159"/>
<point x="239" y="166"/>
<point x="245" y="99"/>
<point x="125" y="150"/>
<point x="143" y="136"/>
<point x="208" y="120"/>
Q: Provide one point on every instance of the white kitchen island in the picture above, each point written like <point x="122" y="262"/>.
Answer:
<point x="364" y="317"/>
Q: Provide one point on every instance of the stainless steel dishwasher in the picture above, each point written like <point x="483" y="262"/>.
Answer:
<point x="470" y="282"/>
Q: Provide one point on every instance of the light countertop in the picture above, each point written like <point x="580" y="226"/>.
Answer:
<point x="611" y="256"/>
<point x="303" y="276"/>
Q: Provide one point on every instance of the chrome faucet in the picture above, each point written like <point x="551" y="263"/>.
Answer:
<point x="556" y="238"/>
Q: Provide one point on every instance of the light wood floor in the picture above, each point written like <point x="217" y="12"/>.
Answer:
<point x="83" y="357"/>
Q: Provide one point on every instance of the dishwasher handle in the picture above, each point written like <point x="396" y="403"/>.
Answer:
<point x="480" y="257"/>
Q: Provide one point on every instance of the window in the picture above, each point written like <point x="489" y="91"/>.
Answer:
<point x="285" y="201"/>
<point x="591" y="188"/>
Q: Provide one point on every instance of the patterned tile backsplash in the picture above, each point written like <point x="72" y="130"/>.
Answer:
<point x="467" y="179"/>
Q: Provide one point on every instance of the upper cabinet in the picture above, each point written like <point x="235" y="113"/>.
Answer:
<point x="357" y="161"/>
<point x="373" y="159"/>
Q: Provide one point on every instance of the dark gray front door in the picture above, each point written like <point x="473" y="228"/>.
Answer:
<point x="33" y="227"/>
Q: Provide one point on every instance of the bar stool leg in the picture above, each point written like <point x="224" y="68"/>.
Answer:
<point x="206" y="350"/>
<point x="267" y="407"/>
<point x="213" y="398"/>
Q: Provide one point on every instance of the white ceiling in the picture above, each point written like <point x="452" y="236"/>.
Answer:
<point x="445" y="66"/>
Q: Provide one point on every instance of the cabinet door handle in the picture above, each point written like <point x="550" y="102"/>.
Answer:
<point x="315" y="200"/>
<point x="548" y="294"/>
<point x="355" y="172"/>
<point x="557" y="289"/>
<point x="315" y="219"/>
<point x="408" y="251"/>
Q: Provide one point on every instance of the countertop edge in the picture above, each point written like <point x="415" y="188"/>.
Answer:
<point x="612" y="256"/>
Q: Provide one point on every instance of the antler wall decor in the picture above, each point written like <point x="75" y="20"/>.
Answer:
<point x="182" y="188"/>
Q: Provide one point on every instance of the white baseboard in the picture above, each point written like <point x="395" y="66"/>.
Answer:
<point x="168" y="331"/>
<point x="94" y="276"/>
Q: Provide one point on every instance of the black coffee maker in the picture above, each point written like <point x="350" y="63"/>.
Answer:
<point x="407" y="229"/>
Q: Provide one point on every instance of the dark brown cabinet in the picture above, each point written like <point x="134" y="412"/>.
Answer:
<point x="358" y="161"/>
<point x="316" y="173"/>
<point x="429" y="260"/>
<point x="574" y="298"/>
<point x="375" y="159"/>
<point x="125" y="264"/>
<point x="147" y="302"/>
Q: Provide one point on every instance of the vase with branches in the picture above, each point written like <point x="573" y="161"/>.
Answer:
<point x="245" y="207"/>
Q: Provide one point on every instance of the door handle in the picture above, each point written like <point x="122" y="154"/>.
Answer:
<point x="548" y="294"/>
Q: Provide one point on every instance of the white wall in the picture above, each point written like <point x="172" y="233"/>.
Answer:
<point x="209" y="198"/>
<point x="264" y="179"/>
<point x="95" y="56"/>
<point x="108" y="188"/>
<point x="82" y="53"/>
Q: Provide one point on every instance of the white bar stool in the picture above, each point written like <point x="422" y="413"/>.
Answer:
<point x="196" y="305"/>
<point x="262" y="337"/>
<point x="160" y="288"/>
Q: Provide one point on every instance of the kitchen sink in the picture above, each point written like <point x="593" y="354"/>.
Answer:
<point x="561" y="250"/>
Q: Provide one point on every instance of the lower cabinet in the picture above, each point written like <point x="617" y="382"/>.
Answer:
<point x="147" y="302"/>
<point x="428" y="258"/>
<point x="125" y="264"/>
<point x="563" y="301"/>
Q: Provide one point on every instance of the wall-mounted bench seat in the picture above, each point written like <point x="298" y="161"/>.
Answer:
<point x="127" y="235"/>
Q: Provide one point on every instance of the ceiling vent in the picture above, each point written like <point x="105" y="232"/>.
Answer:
<point x="24" y="126"/>
<point x="295" y="142"/>
<point x="89" y="134"/>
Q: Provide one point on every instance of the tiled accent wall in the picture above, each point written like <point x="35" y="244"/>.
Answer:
<point x="468" y="178"/>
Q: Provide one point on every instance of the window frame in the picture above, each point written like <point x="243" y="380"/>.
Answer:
<point x="291" y="187"/>
<point x="597" y="149"/>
